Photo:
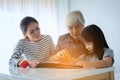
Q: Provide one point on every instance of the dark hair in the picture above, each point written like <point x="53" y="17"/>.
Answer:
<point x="25" y="23"/>
<point x="94" y="33"/>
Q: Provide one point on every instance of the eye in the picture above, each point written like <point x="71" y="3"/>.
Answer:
<point x="31" y="32"/>
<point x="37" y="28"/>
<point x="70" y="27"/>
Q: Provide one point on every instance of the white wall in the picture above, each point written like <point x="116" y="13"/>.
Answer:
<point x="9" y="35"/>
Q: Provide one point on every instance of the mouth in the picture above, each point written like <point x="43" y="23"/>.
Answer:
<point x="37" y="36"/>
<point x="76" y="35"/>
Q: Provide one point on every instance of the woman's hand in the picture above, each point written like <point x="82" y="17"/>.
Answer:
<point x="62" y="57"/>
<point x="25" y="63"/>
<point x="32" y="64"/>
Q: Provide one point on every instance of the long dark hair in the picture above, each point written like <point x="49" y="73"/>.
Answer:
<point x="94" y="33"/>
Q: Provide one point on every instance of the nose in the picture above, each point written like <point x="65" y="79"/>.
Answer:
<point x="74" y="30"/>
<point x="36" y="32"/>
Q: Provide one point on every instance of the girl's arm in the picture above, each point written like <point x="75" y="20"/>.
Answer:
<point x="106" y="62"/>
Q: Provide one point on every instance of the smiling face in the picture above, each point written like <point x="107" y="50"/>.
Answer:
<point x="75" y="30"/>
<point x="33" y="32"/>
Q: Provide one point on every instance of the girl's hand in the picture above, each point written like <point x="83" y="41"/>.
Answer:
<point x="82" y="63"/>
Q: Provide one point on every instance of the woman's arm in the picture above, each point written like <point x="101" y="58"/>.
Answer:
<point x="52" y="46"/>
<point x="16" y="56"/>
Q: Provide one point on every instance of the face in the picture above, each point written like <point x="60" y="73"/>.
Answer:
<point x="89" y="45"/>
<point x="33" y="32"/>
<point x="75" y="30"/>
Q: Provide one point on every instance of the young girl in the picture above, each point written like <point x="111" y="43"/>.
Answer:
<point x="99" y="54"/>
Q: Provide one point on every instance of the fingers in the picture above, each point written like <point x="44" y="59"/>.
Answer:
<point x="80" y="63"/>
<point x="33" y="64"/>
<point x="62" y="56"/>
<point x="64" y="53"/>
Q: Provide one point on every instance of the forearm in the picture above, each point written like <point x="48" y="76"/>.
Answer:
<point x="98" y="64"/>
<point x="15" y="58"/>
<point x="14" y="62"/>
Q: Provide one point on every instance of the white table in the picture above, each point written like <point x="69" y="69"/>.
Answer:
<point x="61" y="74"/>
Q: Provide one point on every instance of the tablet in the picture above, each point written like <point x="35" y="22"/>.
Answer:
<point x="57" y="65"/>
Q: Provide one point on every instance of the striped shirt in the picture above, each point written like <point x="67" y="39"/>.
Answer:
<point x="36" y="51"/>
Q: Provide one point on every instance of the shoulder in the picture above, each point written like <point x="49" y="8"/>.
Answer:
<point x="108" y="52"/>
<point x="21" y="41"/>
<point x="46" y="37"/>
<point x="64" y="36"/>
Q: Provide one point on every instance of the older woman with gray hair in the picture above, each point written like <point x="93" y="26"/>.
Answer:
<point x="71" y="41"/>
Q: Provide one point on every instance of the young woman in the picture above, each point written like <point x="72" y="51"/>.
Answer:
<point x="99" y="54"/>
<point x="34" y="47"/>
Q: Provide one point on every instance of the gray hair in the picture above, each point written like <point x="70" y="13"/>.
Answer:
<point x="75" y="16"/>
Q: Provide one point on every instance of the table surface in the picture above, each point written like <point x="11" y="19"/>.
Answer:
<point x="53" y="73"/>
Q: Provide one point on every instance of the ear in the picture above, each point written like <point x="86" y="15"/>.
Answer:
<point x="25" y="35"/>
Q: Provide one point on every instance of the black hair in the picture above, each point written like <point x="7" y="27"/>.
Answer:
<point x="25" y="23"/>
<point x="94" y="33"/>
